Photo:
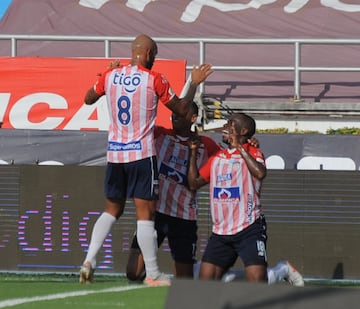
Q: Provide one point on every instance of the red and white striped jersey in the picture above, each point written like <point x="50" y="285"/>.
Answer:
<point x="175" y="199"/>
<point x="132" y="94"/>
<point x="234" y="192"/>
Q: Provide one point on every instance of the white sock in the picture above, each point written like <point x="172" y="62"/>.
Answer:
<point x="100" y="230"/>
<point x="277" y="273"/>
<point x="147" y="240"/>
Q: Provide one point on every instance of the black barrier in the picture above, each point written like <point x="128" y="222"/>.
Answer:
<point x="282" y="151"/>
<point x="47" y="214"/>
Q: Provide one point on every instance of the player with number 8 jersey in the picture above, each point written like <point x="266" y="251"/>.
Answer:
<point x="136" y="91"/>
<point x="132" y="93"/>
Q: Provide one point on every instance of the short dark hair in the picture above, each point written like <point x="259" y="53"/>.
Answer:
<point x="242" y="120"/>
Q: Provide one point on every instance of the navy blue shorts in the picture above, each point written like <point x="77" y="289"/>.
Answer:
<point x="249" y="245"/>
<point x="138" y="179"/>
<point x="181" y="235"/>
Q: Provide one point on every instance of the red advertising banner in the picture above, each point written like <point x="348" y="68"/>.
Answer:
<point x="48" y="93"/>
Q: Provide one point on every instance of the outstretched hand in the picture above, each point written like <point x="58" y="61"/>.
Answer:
<point x="200" y="73"/>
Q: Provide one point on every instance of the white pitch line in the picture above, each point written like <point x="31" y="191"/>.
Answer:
<point x="19" y="301"/>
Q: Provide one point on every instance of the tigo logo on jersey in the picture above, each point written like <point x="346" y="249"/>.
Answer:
<point x="227" y="194"/>
<point x="130" y="82"/>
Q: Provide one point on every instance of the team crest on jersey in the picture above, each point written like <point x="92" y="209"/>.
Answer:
<point x="226" y="194"/>
<point x="221" y="178"/>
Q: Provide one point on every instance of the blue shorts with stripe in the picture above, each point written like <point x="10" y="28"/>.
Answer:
<point x="181" y="235"/>
<point x="249" y="245"/>
<point x="138" y="179"/>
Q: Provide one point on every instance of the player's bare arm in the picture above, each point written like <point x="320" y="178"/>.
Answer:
<point x="194" y="179"/>
<point x="256" y="169"/>
<point x="91" y="97"/>
<point x="181" y="106"/>
<point x="236" y="140"/>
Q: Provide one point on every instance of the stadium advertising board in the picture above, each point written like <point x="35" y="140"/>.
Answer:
<point x="48" y="93"/>
<point x="47" y="214"/>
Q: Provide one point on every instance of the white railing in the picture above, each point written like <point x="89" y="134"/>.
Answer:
<point x="203" y="43"/>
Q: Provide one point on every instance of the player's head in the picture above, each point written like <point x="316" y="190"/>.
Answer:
<point x="242" y="125"/>
<point x="183" y="124"/>
<point x="144" y="51"/>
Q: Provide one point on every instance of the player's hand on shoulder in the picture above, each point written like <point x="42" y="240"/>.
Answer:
<point x="253" y="141"/>
<point x="114" y="64"/>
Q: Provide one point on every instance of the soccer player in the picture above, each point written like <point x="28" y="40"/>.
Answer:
<point x="172" y="213"/>
<point x="282" y="271"/>
<point x="176" y="209"/>
<point x="132" y="93"/>
<point x="239" y="226"/>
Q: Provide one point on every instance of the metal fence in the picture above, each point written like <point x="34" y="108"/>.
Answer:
<point x="204" y="43"/>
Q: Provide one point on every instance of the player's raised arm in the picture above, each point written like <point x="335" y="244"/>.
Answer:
<point x="182" y="106"/>
<point x="194" y="179"/>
